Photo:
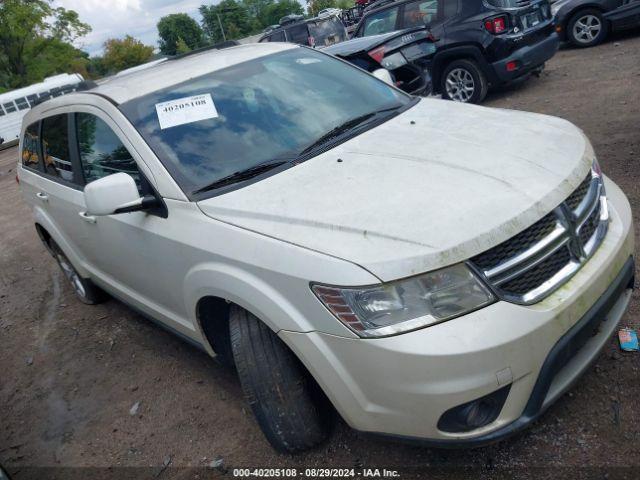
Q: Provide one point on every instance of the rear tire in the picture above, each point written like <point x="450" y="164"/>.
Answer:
<point x="84" y="288"/>
<point x="276" y="385"/>
<point x="463" y="81"/>
<point x="587" y="28"/>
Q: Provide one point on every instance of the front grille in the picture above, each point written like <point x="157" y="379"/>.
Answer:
<point x="518" y="244"/>
<point x="533" y="278"/>
<point x="526" y="268"/>
<point x="589" y="227"/>
<point x="579" y="193"/>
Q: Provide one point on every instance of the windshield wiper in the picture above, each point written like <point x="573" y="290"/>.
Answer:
<point x="241" y="175"/>
<point x="343" y="128"/>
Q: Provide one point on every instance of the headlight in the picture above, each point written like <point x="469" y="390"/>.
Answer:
<point x="403" y="305"/>
<point x="555" y="7"/>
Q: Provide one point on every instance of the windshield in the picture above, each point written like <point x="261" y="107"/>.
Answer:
<point x="258" y="111"/>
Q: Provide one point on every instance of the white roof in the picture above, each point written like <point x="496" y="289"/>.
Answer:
<point x="138" y="83"/>
<point x="47" y="84"/>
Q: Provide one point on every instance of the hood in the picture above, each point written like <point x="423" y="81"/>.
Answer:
<point x="434" y="186"/>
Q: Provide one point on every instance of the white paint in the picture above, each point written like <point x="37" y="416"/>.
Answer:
<point x="409" y="198"/>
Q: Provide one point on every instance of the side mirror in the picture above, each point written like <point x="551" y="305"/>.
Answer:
<point x="115" y="193"/>
<point x="384" y="75"/>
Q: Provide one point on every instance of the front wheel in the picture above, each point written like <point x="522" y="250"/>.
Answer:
<point x="276" y="386"/>
<point x="587" y="28"/>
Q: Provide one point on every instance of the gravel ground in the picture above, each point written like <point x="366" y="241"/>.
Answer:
<point x="71" y="373"/>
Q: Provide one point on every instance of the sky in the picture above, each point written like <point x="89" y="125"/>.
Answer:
<point x="117" y="18"/>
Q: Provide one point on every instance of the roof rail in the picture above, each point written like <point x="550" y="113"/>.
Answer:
<point x="217" y="46"/>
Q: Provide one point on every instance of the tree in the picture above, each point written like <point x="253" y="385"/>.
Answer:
<point x="181" y="46"/>
<point x="275" y="11"/>
<point x="179" y="26"/>
<point x="33" y="34"/>
<point x="125" y="53"/>
<point x="316" y="5"/>
<point x="233" y="16"/>
<point x="46" y="57"/>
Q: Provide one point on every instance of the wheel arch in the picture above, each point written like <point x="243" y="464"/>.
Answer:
<point x="463" y="52"/>
<point x="211" y="288"/>
<point x="570" y="14"/>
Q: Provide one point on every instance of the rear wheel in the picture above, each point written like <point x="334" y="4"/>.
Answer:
<point x="84" y="288"/>
<point x="277" y="387"/>
<point x="587" y="28"/>
<point x="464" y="81"/>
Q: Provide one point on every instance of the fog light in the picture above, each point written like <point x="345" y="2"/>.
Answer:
<point x="474" y="414"/>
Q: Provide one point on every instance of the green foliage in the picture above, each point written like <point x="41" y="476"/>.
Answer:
<point x="234" y="17"/>
<point x="316" y="5"/>
<point x="244" y="17"/>
<point x="179" y="27"/>
<point x="125" y="53"/>
<point x="181" y="46"/>
<point x="35" y="41"/>
<point x="275" y="11"/>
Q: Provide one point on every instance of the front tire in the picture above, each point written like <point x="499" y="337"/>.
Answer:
<point x="463" y="81"/>
<point x="587" y="28"/>
<point x="275" y="384"/>
<point x="84" y="288"/>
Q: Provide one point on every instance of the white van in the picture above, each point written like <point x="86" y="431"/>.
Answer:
<point x="14" y="104"/>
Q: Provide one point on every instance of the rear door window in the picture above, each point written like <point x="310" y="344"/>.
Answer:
<point x="298" y="34"/>
<point x="381" y="22"/>
<point x="55" y="147"/>
<point x="420" y="14"/>
<point x="277" y="37"/>
<point x="30" y="156"/>
<point x="101" y="151"/>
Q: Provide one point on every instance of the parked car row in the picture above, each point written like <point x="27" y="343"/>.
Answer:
<point x="475" y="45"/>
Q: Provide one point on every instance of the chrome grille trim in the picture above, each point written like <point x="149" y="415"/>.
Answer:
<point x="545" y="259"/>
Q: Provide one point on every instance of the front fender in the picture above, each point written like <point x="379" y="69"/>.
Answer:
<point x="246" y="290"/>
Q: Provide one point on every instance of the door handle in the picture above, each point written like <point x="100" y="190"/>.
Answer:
<point x="87" y="218"/>
<point x="42" y="196"/>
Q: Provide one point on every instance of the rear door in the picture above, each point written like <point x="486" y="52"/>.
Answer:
<point x="60" y="186"/>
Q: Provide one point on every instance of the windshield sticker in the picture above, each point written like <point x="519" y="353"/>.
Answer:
<point x="307" y="61"/>
<point x="186" y="110"/>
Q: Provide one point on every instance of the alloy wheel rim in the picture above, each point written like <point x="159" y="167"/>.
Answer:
<point x="587" y="28"/>
<point x="460" y="85"/>
<point x="72" y="276"/>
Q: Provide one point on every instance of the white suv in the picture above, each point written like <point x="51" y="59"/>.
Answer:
<point x="430" y="269"/>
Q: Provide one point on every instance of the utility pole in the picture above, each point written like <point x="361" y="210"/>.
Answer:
<point x="221" y="29"/>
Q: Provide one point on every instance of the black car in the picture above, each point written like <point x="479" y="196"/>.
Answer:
<point x="312" y="32"/>
<point x="405" y="54"/>
<point x="480" y="43"/>
<point x="586" y="23"/>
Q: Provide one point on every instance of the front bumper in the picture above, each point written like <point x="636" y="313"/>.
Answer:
<point x="527" y="58"/>
<point x="402" y="385"/>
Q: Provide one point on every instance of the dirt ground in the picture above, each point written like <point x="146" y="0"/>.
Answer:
<point x="70" y="373"/>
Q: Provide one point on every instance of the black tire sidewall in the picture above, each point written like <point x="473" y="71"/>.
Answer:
<point x="479" y="80"/>
<point x="576" y="16"/>
<point x="265" y="366"/>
